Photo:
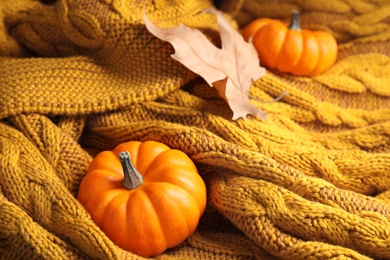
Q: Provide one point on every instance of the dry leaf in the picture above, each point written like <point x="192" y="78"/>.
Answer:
<point x="231" y="69"/>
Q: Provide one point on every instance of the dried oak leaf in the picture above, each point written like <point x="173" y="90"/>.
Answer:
<point x="230" y="69"/>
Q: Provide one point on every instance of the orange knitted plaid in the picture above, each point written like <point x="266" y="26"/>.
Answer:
<point x="79" y="77"/>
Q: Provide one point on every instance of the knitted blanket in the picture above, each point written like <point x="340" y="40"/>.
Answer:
<point x="80" y="76"/>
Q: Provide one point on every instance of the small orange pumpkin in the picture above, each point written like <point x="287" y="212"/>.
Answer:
<point x="291" y="49"/>
<point x="145" y="204"/>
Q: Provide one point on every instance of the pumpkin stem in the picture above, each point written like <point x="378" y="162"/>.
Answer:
<point x="295" y="21"/>
<point x="133" y="178"/>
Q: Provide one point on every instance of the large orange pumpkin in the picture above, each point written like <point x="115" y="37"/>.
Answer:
<point x="291" y="49"/>
<point x="145" y="196"/>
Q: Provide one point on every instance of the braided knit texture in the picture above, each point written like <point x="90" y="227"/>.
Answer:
<point x="81" y="76"/>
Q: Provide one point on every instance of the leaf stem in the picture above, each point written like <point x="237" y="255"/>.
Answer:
<point x="284" y="93"/>
<point x="295" y="21"/>
<point x="132" y="177"/>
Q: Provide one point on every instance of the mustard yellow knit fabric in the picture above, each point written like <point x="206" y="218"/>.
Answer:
<point x="81" y="76"/>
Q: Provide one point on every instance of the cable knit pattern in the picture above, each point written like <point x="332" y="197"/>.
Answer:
<point x="79" y="77"/>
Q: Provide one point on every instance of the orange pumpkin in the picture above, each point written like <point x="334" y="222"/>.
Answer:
<point x="291" y="49"/>
<point x="145" y="204"/>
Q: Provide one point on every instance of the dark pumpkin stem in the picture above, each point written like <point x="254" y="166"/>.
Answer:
<point x="295" y="21"/>
<point x="133" y="178"/>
